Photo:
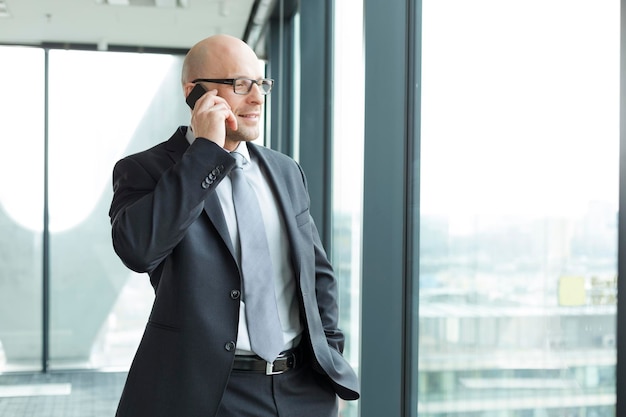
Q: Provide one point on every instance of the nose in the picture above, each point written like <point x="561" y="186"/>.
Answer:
<point x="255" y="93"/>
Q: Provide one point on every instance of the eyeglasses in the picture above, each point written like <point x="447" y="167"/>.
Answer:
<point x="241" y="85"/>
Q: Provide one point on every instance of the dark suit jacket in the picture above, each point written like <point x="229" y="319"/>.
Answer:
<point x="167" y="221"/>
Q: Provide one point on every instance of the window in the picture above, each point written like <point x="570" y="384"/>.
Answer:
<point x="101" y="106"/>
<point x="21" y="207"/>
<point x="347" y="193"/>
<point x="518" y="216"/>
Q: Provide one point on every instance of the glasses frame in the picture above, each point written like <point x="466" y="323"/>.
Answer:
<point x="232" y="81"/>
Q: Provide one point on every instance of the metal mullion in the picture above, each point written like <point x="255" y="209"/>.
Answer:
<point x="412" y="213"/>
<point x="620" y="369"/>
<point x="45" y="346"/>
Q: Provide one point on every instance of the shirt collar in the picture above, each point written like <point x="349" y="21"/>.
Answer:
<point x="189" y="135"/>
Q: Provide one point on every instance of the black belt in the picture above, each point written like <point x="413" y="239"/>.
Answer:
<point x="285" y="361"/>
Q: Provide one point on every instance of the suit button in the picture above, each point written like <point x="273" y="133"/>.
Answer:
<point x="235" y="294"/>
<point x="230" y="346"/>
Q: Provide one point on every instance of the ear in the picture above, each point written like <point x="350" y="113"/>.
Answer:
<point x="187" y="87"/>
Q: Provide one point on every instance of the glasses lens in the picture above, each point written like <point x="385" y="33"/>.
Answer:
<point x="242" y="85"/>
<point x="266" y="85"/>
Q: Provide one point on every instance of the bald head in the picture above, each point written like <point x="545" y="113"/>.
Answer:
<point x="219" y="56"/>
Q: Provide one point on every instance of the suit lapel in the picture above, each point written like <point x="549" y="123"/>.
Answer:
<point x="177" y="145"/>
<point x="213" y="209"/>
<point x="275" y="175"/>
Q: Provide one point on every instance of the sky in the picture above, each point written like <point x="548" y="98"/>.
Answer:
<point x="520" y="106"/>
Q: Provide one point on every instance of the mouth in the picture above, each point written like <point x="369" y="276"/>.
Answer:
<point x="249" y="116"/>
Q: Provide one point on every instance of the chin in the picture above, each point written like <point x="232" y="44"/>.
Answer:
<point x="244" y="136"/>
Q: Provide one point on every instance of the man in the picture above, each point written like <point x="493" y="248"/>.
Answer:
<point x="174" y="215"/>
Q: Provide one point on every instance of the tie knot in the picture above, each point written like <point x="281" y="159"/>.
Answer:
<point x="240" y="160"/>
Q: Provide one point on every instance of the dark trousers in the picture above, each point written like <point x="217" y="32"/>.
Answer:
<point x="300" y="392"/>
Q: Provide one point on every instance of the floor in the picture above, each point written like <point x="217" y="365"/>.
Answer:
<point x="60" y="394"/>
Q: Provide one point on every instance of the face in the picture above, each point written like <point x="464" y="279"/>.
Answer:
<point x="247" y="109"/>
<point x="231" y="58"/>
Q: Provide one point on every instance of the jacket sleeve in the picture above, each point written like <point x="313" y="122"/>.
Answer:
<point x="156" y="200"/>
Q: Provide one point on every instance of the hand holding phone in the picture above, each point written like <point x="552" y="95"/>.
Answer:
<point x="210" y="120"/>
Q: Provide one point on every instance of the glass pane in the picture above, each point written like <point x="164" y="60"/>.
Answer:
<point x="348" y="134"/>
<point x="21" y="207"/>
<point x="103" y="105"/>
<point x="519" y="199"/>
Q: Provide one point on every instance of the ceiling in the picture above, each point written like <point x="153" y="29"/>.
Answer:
<point x="95" y="22"/>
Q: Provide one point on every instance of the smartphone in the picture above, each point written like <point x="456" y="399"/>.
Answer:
<point x="195" y="94"/>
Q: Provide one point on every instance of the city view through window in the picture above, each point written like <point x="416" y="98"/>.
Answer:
<point x="519" y="197"/>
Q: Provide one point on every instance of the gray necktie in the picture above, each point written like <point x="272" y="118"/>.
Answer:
<point x="264" y="329"/>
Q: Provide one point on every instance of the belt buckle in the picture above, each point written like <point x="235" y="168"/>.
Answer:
<point x="269" y="369"/>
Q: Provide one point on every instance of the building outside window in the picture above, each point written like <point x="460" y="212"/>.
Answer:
<point x="519" y="197"/>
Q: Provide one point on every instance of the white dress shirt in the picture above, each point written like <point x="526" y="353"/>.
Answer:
<point x="284" y="279"/>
